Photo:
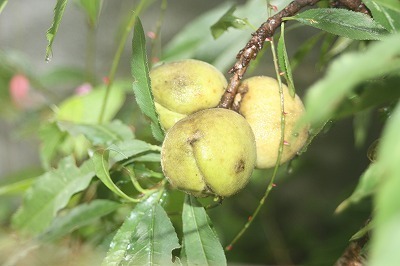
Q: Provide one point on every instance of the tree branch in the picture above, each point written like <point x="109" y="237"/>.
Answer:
<point x="265" y="31"/>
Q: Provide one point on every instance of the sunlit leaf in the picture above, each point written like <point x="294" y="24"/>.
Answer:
<point x="147" y="237"/>
<point x="386" y="17"/>
<point x="81" y="215"/>
<point x="324" y="97"/>
<point x="284" y="64"/>
<point x="392" y="4"/>
<point x="201" y="244"/>
<point x="104" y="134"/>
<point x="125" y="149"/>
<point x="52" y="31"/>
<point x="142" y="85"/>
<point x="50" y="193"/>
<point x="86" y="108"/>
<point x="386" y="240"/>
<point x="226" y="21"/>
<point x="342" y="22"/>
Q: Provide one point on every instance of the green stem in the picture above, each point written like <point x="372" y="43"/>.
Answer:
<point x="118" y="54"/>
<point x="278" y="160"/>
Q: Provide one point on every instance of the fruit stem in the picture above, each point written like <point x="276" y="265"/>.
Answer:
<point x="118" y="53"/>
<point x="278" y="160"/>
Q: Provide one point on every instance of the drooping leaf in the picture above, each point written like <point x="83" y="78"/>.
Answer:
<point x="3" y="4"/>
<point x="342" y="22"/>
<point x="201" y="243"/>
<point x="86" y="108"/>
<point x="392" y="4"/>
<point x="226" y="21"/>
<point x="386" y="240"/>
<point x="147" y="237"/>
<point x="92" y="9"/>
<point x="349" y="70"/>
<point x="50" y="193"/>
<point x="101" y="167"/>
<point x="386" y="17"/>
<point x="284" y="64"/>
<point x="78" y="217"/>
<point x="366" y="187"/>
<point x="52" y="31"/>
<point x="104" y="134"/>
<point x="142" y="85"/>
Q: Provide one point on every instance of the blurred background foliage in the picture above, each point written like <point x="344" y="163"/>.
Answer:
<point x="297" y="225"/>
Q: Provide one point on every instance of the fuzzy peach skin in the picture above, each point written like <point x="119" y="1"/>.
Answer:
<point x="209" y="153"/>
<point x="261" y="106"/>
<point x="183" y="87"/>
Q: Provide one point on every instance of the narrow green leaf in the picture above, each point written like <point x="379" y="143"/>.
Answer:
<point x="147" y="237"/>
<point x="128" y="148"/>
<point x="349" y="70"/>
<point x="104" y="134"/>
<point x="201" y="244"/>
<point x="386" y="240"/>
<point x="342" y="22"/>
<point x="284" y="64"/>
<point x="148" y="157"/>
<point x="3" y="4"/>
<point x="142" y="85"/>
<point x="101" y="167"/>
<point x="226" y="21"/>
<point x="50" y="193"/>
<point x="386" y="17"/>
<point x="52" y="31"/>
<point x="86" y="108"/>
<point x="366" y="187"/>
<point x="363" y="231"/>
<point x="81" y="215"/>
<point x="392" y="4"/>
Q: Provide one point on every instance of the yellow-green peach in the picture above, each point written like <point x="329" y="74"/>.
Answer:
<point x="210" y="152"/>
